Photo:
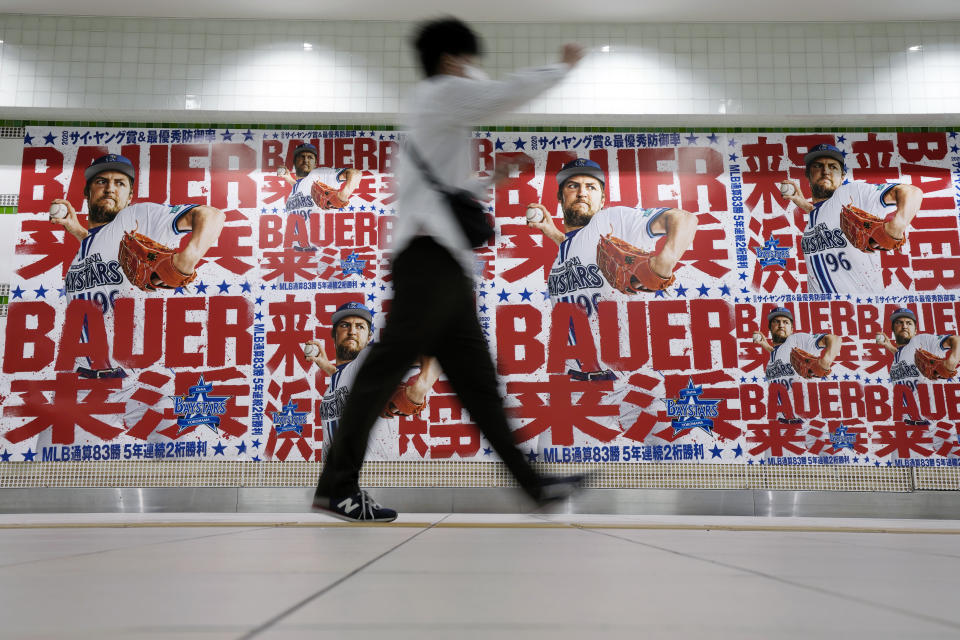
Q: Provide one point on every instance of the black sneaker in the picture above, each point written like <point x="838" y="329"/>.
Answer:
<point x="554" y="489"/>
<point x="359" y="507"/>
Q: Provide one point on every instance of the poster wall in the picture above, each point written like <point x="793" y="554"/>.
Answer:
<point x="688" y="297"/>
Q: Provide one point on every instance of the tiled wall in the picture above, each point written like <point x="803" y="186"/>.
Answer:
<point x="110" y="68"/>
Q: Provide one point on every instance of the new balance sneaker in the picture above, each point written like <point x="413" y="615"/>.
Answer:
<point x="359" y="507"/>
<point x="554" y="489"/>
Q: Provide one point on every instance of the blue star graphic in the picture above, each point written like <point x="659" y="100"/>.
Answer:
<point x="201" y="288"/>
<point x="737" y="452"/>
<point x="256" y="458"/>
<point x="519" y="144"/>
<point x="28" y="139"/>
<point x="62" y="292"/>
<point x="953" y="134"/>
<point x="273" y="287"/>
<point x="750" y="462"/>
<point x="49" y="138"/>
<point x="841" y="139"/>
<point x="29" y="455"/>
<point x="731" y="142"/>
<point x="218" y="449"/>
<point x="487" y="451"/>
<point x="504" y="296"/>
<point x="761" y="461"/>
<point x="716" y="451"/>
<point x="41" y="292"/>
<point x="258" y="316"/>
<point x="733" y="157"/>
<point x="876" y="463"/>
<point x="245" y="287"/>
<point x="712" y="138"/>
<point x="259" y="300"/>
<point x="744" y="290"/>
<point x="178" y="291"/>
<point x="227" y="135"/>
<point x="525" y="295"/>
<point x="5" y="456"/>
<point x="691" y="139"/>
<point x="954" y="149"/>
<point x="483" y="308"/>
<point x="889" y="463"/>
<point x="743" y="276"/>
<point x="255" y="444"/>
<point x="546" y="295"/>
<point x="371" y="297"/>
<point x="264" y="210"/>
<point x="532" y="456"/>
<point x="248" y="135"/>
<point x="680" y="289"/>
<point x="704" y="290"/>
<point x="18" y="292"/>
<point x="498" y="145"/>
<point x="224" y="287"/>
<point x="242" y="447"/>
<point x="724" y="290"/>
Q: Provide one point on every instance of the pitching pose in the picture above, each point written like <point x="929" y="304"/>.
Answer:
<point x="352" y="331"/>
<point x="920" y="355"/>
<point x="311" y="190"/>
<point x="842" y="236"/>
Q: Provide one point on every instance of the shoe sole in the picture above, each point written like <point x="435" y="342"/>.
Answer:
<point x="339" y="516"/>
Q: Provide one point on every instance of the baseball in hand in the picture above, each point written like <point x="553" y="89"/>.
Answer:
<point x="282" y="171"/>
<point x="881" y="338"/>
<point x="534" y="214"/>
<point x="757" y="337"/>
<point x="58" y="210"/>
<point x="787" y="189"/>
<point x="311" y="350"/>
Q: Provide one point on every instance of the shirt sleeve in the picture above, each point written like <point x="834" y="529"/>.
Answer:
<point x="633" y="225"/>
<point x="463" y="100"/>
<point x="870" y="196"/>
<point x="158" y="221"/>
<point x="327" y="175"/>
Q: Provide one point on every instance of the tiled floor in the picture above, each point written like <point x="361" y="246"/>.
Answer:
<point x="476" y="576"/>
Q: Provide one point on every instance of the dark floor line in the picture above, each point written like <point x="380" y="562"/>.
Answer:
<point x="837" y="594"/>
<point x="133" y="546"/>
<point x="283" y="614"/>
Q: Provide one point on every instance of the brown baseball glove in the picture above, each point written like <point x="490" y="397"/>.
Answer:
<point x="326" y="197"/>
<point x="806" y="364"/>
<point x="866" y="232"/>
<point x="627" y="268"/>
<point x="932" y="366"/>
<point x="148" y="265"/>
<point x="400" y="405"/>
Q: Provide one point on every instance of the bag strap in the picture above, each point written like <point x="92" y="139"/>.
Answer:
<point x="425" y="168"/>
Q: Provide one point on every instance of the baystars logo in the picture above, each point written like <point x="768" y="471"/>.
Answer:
<point x="353" y="264"/>
<point x="772" y="255"/>
<point x="199" y="408"/>
<point x="690" y="412"/>
<point x="843" y="440"/>
<point x="289" y="419"/>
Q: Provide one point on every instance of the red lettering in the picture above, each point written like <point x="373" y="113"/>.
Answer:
<point x="177" y="330"/>
<point x="21" y="335"/>
<point x="518" y="350"/>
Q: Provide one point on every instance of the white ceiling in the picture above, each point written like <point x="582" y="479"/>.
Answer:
<point x="569" y="11"/>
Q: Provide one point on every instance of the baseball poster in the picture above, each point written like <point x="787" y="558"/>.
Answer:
<point x="741" y="298"/>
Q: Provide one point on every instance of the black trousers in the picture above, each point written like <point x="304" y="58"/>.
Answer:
<point x="433" y="314"/>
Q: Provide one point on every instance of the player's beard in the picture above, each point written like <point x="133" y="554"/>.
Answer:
<point x="901" y="340"/>
<point x="576" y="218"/>
<point x="820" y="192"/>
<point x="301" y="173"/>
<point x="102" y="214"/>
<point x="777" y="338"/>
<point x="346" y="352"/>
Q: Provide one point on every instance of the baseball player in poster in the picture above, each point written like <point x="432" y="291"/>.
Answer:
<point x="850" y="223"/>
<point x="795" y="355"/>
<point x="130" y="245"/>
<point x="609" y="254"/>
<point x="352" y="331"/>
<point x="314" y="188"/>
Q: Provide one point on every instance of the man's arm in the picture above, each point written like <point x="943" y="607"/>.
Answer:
<point x="545" y="224"/>
<point x="680" y="227"/>
<point x="759" y="339"/>
<point x="351" y="180"/>
<point x="885" y="342"/>
<point x="953" y="357"/>
<point x="321" y="359"/>
<point x="429" y="372"/>
<point x="206" y="224"/>
<point x="830" y="351"/>
<point x="907" y="198"/>
<point x="70" y="222"/>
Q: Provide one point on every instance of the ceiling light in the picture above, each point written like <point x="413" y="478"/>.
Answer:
<point x="915" y="47"/>
<point x="307" y="46"/>
<point x="605" y="48"/>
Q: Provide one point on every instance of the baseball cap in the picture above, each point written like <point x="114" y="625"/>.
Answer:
<point x="779" y="312"/>
<point x="352" y="309"/>
<point x="902" y="312"/>
<point x="110" y="162"/>
<point x="304" y="148"/>
<point x="824" y="150"/>
<point x="580" y="167"/>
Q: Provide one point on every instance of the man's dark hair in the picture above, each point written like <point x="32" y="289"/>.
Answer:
<point x="450" y="36"/>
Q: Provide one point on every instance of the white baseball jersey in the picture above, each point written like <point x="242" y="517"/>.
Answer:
<point x="779" y="370"/>
<point x="833" y="264"/>
<point x="300" y="201"/>
<point x="95" y="273"/>
<point x="383" y="443"/>
<point x="904" y="370"/>
<point x="575" y="275"/>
